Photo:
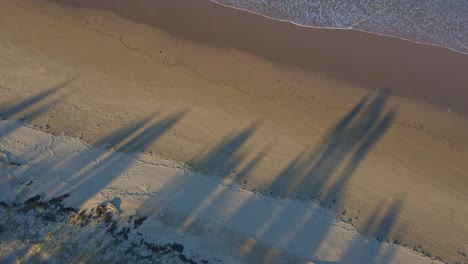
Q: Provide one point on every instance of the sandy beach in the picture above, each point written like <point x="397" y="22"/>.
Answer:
<point x="373" y="128"/>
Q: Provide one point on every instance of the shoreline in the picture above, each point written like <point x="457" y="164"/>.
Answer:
<point x="337" y="28"/>
<point x="233" y="115"/>
<point x="376" y="62"/>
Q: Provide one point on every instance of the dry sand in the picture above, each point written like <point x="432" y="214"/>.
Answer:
<point x="278" y="108"/>
<point x="134" y="207"/>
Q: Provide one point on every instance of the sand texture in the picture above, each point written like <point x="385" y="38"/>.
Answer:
<point x="373" y="128"/>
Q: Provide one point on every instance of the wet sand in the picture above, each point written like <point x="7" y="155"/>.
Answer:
<point x="417" y="71"/>
<point x="277" y="108"/>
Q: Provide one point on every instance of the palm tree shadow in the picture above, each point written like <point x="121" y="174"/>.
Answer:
<point x="225" y="157"/>
<point x="345" y="145"/>
<point x="28" y="109"/>
<point x="311" y="173"/>
<point x="378" y="225"/>
<point x="104" y="167"/>
<point x="15" y="109"/>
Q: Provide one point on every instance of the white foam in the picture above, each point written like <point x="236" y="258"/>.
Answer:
<point x="437" y="22"/>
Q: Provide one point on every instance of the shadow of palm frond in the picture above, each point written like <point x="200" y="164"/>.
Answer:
<point x="226" y="156"/>
<point x="29" y="109"/>
<point x="375" y="133"/>
<point x="318" y="171"/>
<point x="308" y="162"/>
<point x="325" y="170"/>
<point x="93" y="171"/>
<point x="123" y="134"/>
<point x="18" y="108"/>
<point x="344" y="146"/>
<point x="378" y="225"/>
<point x="312" y="173"/>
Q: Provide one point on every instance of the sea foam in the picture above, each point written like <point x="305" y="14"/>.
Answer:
<point x="436" y="22"/>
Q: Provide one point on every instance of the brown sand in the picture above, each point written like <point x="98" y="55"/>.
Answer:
<point x="398" y="170"/>
<point x="408" y="69"/>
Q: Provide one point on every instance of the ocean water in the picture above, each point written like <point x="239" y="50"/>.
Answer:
<point x="437" y="22"/>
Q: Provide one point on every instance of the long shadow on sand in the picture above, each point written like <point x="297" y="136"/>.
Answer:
<point x="28" y="109"/>
<point x="94" y="169"/>
<point x="90" y="169"/>
<point x="325" y="170"/>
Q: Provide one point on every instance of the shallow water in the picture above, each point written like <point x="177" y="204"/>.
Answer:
<point x="438" y="22"/>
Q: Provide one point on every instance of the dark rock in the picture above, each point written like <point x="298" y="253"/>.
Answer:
<point x="112" y="227"/>
<point x="183" y="258"/>
<point x="139" y="222"/>
<point x="67" y="210"/>
<point x="100" y="210"/>
<point x="123" y="234"/>
<point x="33" y="200"/>
<point x="177" y="247"/>
<point x="107" y="217"/>
<point x="31" y="203"/>
<point x="58" y="200"/>
<point x="49" y="216"/>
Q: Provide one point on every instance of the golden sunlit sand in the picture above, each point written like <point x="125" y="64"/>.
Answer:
<point x="371" y="127"/>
